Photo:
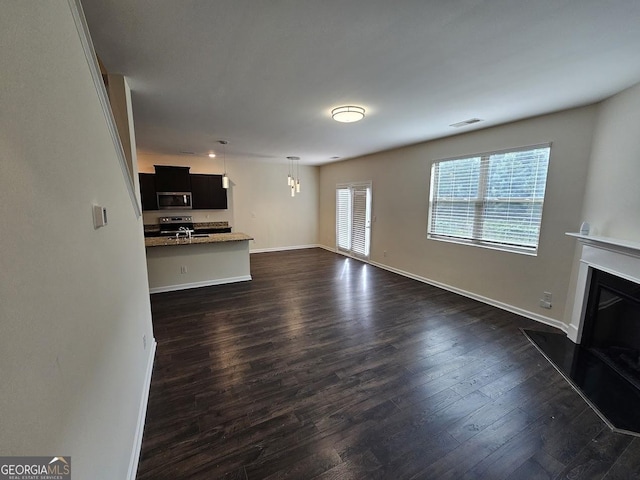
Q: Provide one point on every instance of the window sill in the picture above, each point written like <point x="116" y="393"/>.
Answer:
<point x="531" y="252"/>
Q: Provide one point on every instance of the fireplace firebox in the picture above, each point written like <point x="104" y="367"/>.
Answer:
<point x="612" y="324"/>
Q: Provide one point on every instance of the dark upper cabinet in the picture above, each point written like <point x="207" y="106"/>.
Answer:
<point x="172" y="179"/>
<point x="207" y="192"/>
<point x="148" y="191"/>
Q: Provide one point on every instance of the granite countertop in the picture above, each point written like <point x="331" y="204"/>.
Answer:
<point x="212" y="238"/>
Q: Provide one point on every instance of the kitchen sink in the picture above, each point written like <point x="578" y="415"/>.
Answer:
<point x="199" y="235"/>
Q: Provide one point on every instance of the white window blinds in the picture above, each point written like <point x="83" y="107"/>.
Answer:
<point x="493" y="199"/>
<point x="353" y="219"/>
<point x="343" y="218"/>
<point x="360" y="240"/>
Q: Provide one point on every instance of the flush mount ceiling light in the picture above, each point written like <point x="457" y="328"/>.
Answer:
<point x="212" y="155"/>
<point x="347" y="114"/>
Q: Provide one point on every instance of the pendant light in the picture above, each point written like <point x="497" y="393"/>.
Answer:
<point x="225" y="179"/>
<point x="294" y="184"/>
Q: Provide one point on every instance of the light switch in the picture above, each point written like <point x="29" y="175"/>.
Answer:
<point x="99" y="216"/>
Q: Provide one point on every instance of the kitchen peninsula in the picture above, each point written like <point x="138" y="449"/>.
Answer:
<point x="202" y="260"/>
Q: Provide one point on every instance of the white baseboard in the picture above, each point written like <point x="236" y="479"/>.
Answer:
<point x="572" y="333"/>
<point x="282" y="249"/>
<point x="142" y="414"/>
<point x="206" y="283"/>
<point x="474" y="296"/>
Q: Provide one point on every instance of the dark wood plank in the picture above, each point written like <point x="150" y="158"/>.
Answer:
<point x="627" y="466"/>
<point x="598" y="457"/>
<point x="325" y="367"/>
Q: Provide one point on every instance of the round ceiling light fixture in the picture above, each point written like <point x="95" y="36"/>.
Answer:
<point x="347" y="114"/>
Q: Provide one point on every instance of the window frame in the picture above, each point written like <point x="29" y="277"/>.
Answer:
<point x="481" y="198"/>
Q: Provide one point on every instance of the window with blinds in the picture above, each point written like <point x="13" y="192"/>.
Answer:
<point x="494" y="199"/>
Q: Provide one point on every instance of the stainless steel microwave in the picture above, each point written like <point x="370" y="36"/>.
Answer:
<point x="174" y="200"/>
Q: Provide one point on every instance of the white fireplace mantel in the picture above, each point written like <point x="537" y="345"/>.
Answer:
<point x="611" y="255"/>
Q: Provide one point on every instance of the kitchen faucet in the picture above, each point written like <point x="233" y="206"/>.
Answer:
<point x="187" y="232"/>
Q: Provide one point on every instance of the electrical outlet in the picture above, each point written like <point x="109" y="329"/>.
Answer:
<point x="545" y="304"/>
<point x="384" y="254"/>
<point x="547" y="297"/>
<point x="144" y="342"/>
<point x="183" y="269"/>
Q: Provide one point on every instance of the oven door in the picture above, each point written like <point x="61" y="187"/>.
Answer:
<point x="174" y="200"/>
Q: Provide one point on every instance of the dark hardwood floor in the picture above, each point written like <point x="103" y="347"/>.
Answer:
<point x="324" y="367"/>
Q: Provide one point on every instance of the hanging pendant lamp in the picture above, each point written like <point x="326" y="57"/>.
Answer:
<point x="225" y="179"/>
<point x="294" y="184"/>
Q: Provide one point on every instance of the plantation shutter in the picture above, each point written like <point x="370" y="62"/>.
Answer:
<point x="343" y="220"/>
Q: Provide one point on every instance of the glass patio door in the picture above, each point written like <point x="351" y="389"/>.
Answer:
<point x="353" y="219"/>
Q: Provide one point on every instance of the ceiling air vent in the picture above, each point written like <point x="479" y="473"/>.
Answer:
<point x="465" y="122"/>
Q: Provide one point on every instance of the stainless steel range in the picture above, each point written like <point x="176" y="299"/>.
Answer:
<point x="172" y="226"/>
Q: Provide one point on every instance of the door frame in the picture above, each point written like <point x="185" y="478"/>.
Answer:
<point x="368" y="226"/>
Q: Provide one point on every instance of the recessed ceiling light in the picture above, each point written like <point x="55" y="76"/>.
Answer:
<point x="335" y="158"/>
<point x="347" y="114"/>
<point x="465" y="122"/>
<point x="212" y="155"/>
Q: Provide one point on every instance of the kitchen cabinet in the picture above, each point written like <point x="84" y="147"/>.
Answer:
<point x="172" y="179"/>
<point x="207" y="192"/>
<point x="148" y="191"/>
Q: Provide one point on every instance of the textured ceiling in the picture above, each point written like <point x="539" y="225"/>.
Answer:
<point x="264" y="75"/>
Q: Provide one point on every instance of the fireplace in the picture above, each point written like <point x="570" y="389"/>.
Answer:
<point x="600" y="354"/>
<point x="611" y="260"/>
<point x="611" y="328"/>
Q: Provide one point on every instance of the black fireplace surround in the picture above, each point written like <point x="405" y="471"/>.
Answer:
<point x="605" y="366"/>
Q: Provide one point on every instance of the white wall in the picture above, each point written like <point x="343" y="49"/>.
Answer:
<point x="612" y="198"/>
<point x="260" y="204"/>
<point x="400" y="205"/>
<point x="74" y="303"/>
